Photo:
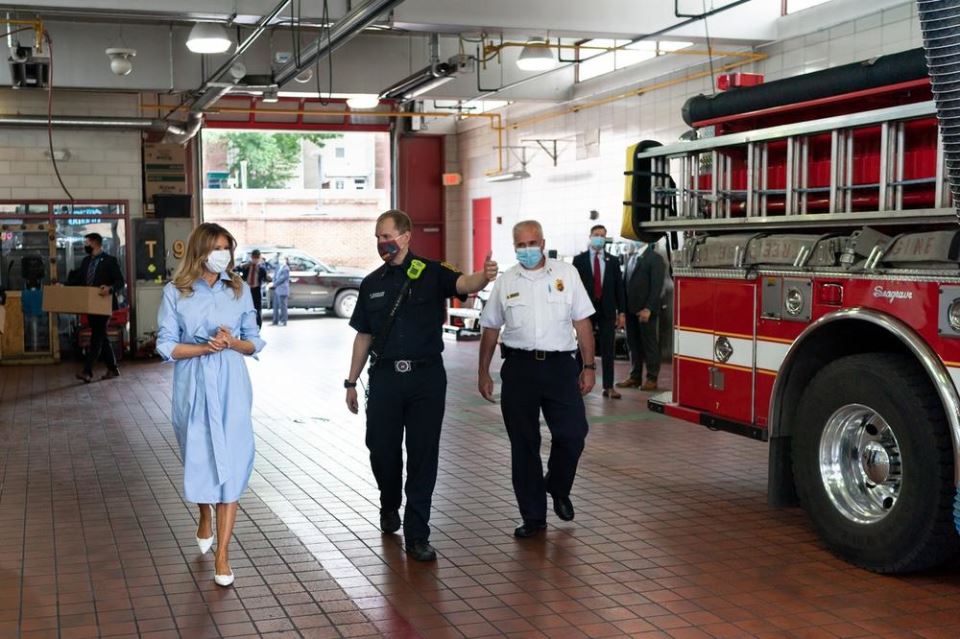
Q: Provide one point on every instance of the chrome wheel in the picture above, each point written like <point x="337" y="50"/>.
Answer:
<point x="860" y="464"/>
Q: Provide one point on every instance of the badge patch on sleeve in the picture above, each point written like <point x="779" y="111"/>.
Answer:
<point x="448" y="265"/>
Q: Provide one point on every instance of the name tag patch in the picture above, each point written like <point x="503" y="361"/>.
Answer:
<point x="374" y="296"/>
<point x="510" y="296"/>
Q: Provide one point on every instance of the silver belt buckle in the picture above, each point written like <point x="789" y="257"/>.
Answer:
<point x="403" y="365"/>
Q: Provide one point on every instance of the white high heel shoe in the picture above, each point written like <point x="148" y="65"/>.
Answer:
<point x="223" y="580"/>
<point x="206" y="544"/>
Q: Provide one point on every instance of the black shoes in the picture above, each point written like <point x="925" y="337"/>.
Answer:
<point x="421" y="550"/>
<point x="390" y="522"/>
<point x="563" y="507"/>
<point x="529" y="529"/>
<point x="111" y="373"/>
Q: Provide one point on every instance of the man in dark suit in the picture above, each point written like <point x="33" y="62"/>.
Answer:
<point x="102" y="271"/>
<point x="600" y="273"/>
<point x="644" y="283"/>
<point x="254" y="274"/>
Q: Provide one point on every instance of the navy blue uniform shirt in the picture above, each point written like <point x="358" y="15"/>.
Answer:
<point x="417" y="331"/>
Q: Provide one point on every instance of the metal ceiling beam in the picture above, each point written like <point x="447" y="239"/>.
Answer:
<point x="340" y="33"/>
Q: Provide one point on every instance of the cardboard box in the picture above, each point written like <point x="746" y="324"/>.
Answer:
<point x="164" y="157"/>
<point x="76" y="299"/>
<point x="164" y="184"/>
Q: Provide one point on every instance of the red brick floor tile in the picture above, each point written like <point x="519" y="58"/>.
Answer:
<point x="659" y="548"/>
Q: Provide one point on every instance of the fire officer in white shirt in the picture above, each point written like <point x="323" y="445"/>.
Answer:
<point x="540" y="303"/>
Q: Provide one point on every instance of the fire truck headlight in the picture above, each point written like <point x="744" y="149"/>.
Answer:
<point x="793" y="302"/>
<point x="953" y="315"/>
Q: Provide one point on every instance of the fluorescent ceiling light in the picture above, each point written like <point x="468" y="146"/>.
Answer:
<point x="429" y="86"/>
<point x="363" y="101"/>
<point x="536" y="56"/>
<point x="420" y="82"/>
<point x="508" y="176"/>
<point x="208" y="37"/>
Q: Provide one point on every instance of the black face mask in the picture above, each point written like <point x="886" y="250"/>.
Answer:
<point x="88" y="249"/>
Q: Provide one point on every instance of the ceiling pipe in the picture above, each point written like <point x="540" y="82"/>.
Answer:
<point x="340" y="33"/>
<point x="90" y="122"/>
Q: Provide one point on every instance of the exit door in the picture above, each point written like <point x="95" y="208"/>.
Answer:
<point x="481" y="231"/>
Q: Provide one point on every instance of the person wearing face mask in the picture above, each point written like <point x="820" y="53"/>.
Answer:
<point x="401" y="308"/>
<point x="644" y="285"/>
<point x="600" y="274"/>
<point x="207" y="324"/>
<point x="254" y="273"/>
<point x="540" y="304"/>
<point x="103" y="272"/>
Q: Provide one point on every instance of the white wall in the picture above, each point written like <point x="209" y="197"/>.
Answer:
<point x="561" y="197"/>
<point x="103" y="165"/>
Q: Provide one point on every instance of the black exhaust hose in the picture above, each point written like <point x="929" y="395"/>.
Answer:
<point x="888" y="69"/>
<point x="940" y="26"/>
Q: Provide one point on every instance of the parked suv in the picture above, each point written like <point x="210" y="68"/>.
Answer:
<point x="313" y="284"/>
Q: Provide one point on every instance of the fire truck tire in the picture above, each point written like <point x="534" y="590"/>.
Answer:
<point x="873" y="463"/>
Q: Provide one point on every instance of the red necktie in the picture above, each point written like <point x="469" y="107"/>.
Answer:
<point x="597" y="281"/>
<point x="253" y="275"/>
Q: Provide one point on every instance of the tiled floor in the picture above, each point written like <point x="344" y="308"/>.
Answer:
<point x="672" y="537"/>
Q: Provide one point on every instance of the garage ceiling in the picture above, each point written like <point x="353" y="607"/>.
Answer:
<point x="397" y="44"/>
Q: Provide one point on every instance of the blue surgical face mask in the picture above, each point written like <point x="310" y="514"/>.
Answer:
<point x="529" y="256"/>
<point x="597" y="241"/>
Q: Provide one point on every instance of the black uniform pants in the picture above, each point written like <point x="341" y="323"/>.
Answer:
<point x="644" y="346"/>
<point x="605" y="330"/>
<point x="551" y="385"/>
<point x="99" y="344"/>
<point x="258" y="304"/>
<point x="413" y="403"/>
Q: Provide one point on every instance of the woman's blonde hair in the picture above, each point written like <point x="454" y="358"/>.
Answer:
<point x="199" y="245"/>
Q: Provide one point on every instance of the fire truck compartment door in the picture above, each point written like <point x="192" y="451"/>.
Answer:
<point x="715" y="346"/>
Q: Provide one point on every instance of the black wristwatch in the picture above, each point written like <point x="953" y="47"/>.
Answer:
<point x="592" y="367"/>
<point x="348" y="384"/>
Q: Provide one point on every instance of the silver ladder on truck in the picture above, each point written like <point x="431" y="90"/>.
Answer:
<point x="677" y="204"/>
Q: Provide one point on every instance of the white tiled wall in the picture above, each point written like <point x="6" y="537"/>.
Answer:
<point x="103" y="165"/>
<point x="562" y="196"/>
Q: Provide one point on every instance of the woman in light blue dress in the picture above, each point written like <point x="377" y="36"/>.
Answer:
<point x="207" y="323"/>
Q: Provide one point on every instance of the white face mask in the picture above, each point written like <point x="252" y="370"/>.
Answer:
<point x="218" y="261"/>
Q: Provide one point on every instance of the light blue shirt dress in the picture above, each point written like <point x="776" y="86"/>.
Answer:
<point x="212" y="394"/>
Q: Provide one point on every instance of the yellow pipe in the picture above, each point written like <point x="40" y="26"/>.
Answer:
<point x="495" y="119"/>
<point x="37" y="25"/>
<point x="754" y="57"/>
<point x="491" y="51"/>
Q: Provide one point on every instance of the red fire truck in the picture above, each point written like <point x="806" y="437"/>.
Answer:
<point x="816" y="261"/>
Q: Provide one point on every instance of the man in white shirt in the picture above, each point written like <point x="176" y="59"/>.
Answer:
<point x="540" y="303"/>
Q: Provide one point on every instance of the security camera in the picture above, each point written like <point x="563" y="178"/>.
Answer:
<point x="120" y="60"/>
<point x="238" y="70"/>
<point x="20" y="54"/>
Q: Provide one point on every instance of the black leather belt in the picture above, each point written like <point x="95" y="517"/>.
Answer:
<point x="540" y="356"/>
<point x="407" y="365"/>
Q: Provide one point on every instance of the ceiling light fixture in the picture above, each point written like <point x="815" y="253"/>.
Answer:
<point x="363" y="101"/>
<point x="536" y="56"/>
<point x="208" y="37"/>
<point x="508" y="176"/>
<point x="120" y="62"/>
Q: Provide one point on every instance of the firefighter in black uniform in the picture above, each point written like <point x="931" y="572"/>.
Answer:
<point x="399" y="322"/>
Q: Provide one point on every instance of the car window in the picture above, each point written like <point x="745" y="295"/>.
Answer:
<point x="301" y="264"/>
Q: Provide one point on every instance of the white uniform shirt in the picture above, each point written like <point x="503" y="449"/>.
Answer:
<point x="537" y="308"/>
